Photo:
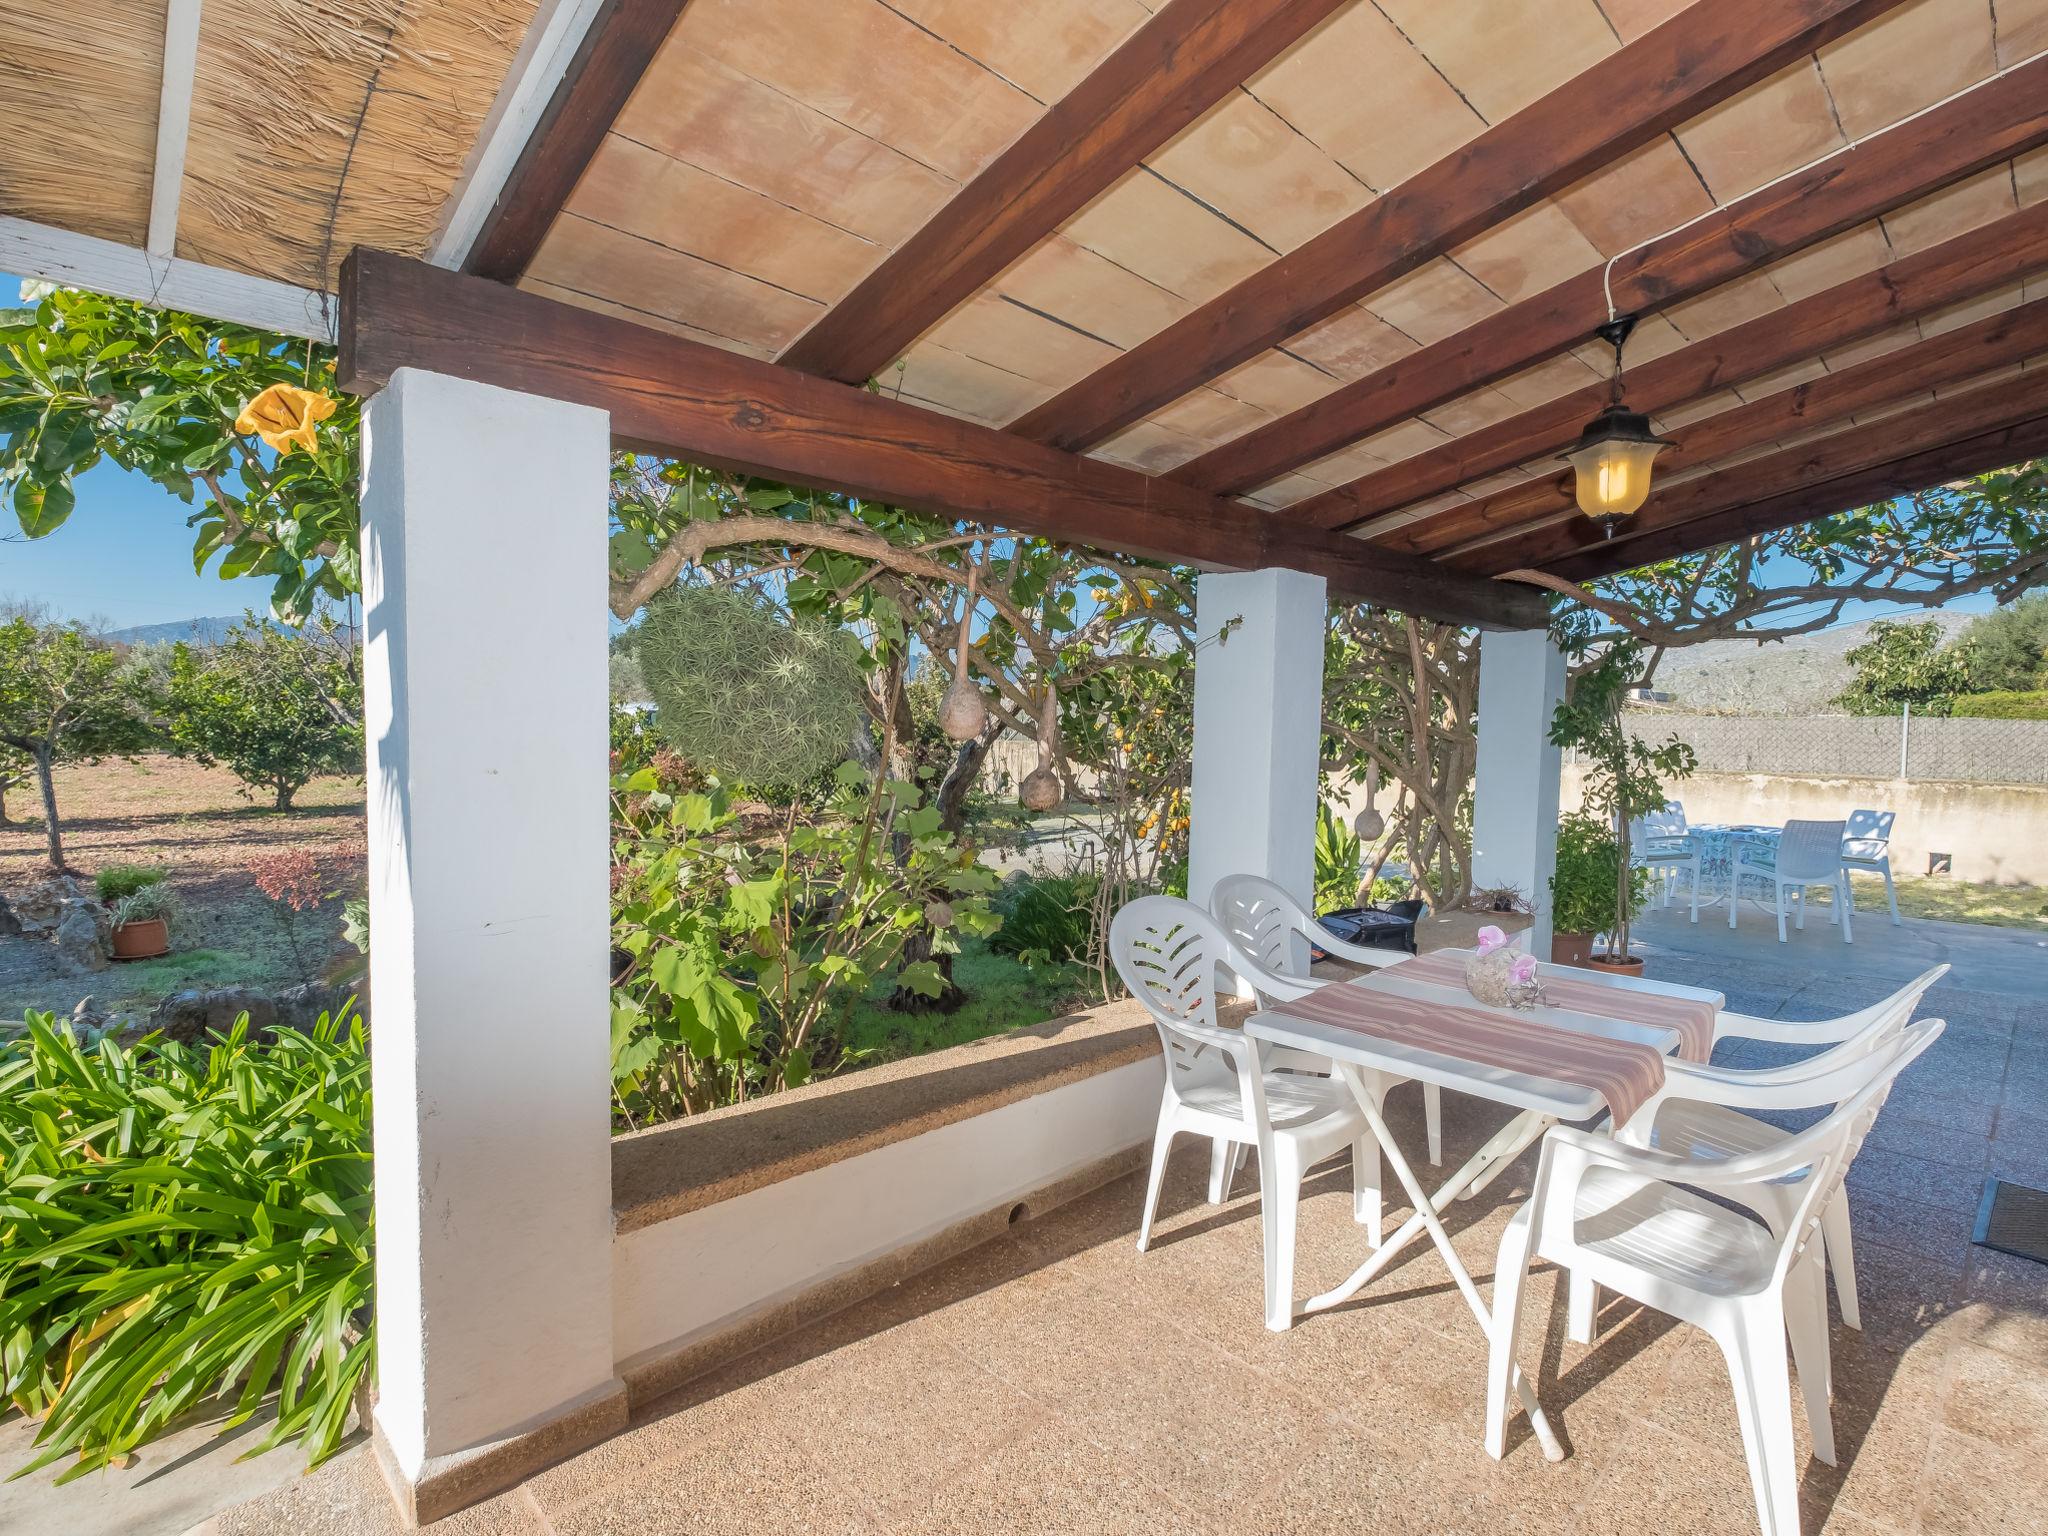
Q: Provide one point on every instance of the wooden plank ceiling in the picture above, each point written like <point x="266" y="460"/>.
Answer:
<point x="1339" y="260"/>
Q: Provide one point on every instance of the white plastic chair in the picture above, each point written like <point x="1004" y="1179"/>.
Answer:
<point x="1167" y="952"/>
<point x="1273" y="931"/>
<point x="1661" y="843"/>
<point x="1730" y="1025"/>
<point x="1626" y="1217"/>
<point x="1700" y="1114"/>
<point x="1867" y="846"/>
<point x="1809" y="854"/>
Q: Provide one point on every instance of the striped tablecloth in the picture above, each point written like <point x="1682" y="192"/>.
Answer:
<point x="1623" y="1072"/>
<point x="1692" y="1018"/>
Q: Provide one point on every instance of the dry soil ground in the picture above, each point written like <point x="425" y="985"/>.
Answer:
<point x="195" y="823"/>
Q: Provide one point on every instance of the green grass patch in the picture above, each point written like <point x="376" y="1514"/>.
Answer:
<point x="1957" y="901"/>
<point x="188" y="968"/>
<point x="1002" y="994"/>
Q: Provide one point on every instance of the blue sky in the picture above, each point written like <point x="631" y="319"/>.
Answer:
<point x="125" y="556"/>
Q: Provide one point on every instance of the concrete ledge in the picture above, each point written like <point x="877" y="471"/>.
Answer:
<point x="447" y="1484"/>
<point x="657" y="1373"/>
<point x="671" y="1170"/>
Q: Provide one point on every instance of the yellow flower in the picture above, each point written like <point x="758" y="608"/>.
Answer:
<point x="284" y="416"/>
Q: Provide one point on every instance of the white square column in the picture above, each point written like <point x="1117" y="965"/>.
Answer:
<point x="484" y="580"/>
<point x="1258" y="729"/>
<point x="1514" y="810"/>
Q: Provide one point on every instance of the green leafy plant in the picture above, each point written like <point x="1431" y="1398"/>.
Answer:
<point x="1338" y="855"/>
<point x="1588" y="868"/>
<point x="276" y="707"/>
<point x="2029" y="704"/>
<point x="147" y="905"/>
<point x="182" y="1226"/>
<point x="1047" y="919"/>
<point x="119" y="880"/>
<point x="1625" y="777"/>
<point x="1905" y="664"/>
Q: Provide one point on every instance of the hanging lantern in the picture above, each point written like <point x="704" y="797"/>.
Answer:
<point x="1370" y="824"/>
<point x="1041" y="789"/>
<point x="963" y="712"/>
<point x="1611" y="461"/>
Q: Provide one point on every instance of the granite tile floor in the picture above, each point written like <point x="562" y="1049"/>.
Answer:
<point x="1056" y="1380"/>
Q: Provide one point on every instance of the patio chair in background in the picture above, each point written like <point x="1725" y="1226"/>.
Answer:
<point x="1809" y="854"/>
<point x="1167" y="951"/>
<point x="1626" y="1217"/>
<point x="1662" y="843"/>
<point x="1867" y="849"/>
<point x="1271" y="929"/>
<point x="1700" y="1113"/>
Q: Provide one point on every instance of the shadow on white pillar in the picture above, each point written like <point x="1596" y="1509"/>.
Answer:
<point x="1258" y="729"/>
<point x="484" y="530"/>
<point x="1514" y="808"/>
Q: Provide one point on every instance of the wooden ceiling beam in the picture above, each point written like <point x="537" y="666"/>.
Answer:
<point x="1705" y="54"/>
<point x="1541" y="520"/>
<point x="1978" y="454"/>
<point x="1677" y="517"/>
<point x="667" y="394"/>
<point x="1956" y="270"/>
<point x="1987" y="125"/>
<point x="614" y="53"/>
<point x="1186" y="58"/>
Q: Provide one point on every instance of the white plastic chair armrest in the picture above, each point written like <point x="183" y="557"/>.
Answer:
<point x="1769" y="1088"/>
<point x="1586" y="1149"/>
<point x="1744" y="1026"/>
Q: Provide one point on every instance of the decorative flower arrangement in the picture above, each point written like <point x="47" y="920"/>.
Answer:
<point x="286" y="417"/>
<point x="1502" y="976"/>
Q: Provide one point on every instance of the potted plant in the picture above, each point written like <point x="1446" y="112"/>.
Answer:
<point x="142" y="922"/>
<point x="1624" y="779"/>
<point x="1582" y="887"/>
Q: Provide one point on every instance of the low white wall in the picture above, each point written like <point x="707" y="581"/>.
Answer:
<point x="1994" y="832"/>
<point x="681" y="1280"/>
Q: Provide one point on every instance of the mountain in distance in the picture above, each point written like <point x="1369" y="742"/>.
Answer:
<point x="192" y="631"/>
<point x="1799" y="676"/>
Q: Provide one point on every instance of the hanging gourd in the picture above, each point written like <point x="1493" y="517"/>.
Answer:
<point x="1370" y="824"/>
<point x="963" y="713"/>
<point x="1041" y="789"/>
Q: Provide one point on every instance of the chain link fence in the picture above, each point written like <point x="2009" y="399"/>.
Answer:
<point x="1904" y="746"/>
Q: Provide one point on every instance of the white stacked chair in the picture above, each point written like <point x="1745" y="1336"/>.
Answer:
<point x="1809" y="854"/>
<point x="1633" y="1219"/>
<point x="1867" y="848"/>
<point x="1661" y="842"/>
<point x="1274" y="932"/>
<point x="1168" y="951"/>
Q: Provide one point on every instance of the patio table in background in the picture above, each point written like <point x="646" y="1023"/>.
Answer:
<point x="1718" y="846"/>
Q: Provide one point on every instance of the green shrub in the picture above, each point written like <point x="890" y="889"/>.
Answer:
<point x="120" y="880"/>
<point x="152" y="901"/>
<point x="1582" y="886"/>
<point x="2029" y="704"/>
<point x="1046" y="918"/>
<point x="1338" y="853"/>
<point x="180" y="1226"/>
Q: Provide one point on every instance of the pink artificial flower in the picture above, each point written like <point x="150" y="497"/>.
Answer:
<point x="1523" y="970"/>
<point x="1490" y="939"/>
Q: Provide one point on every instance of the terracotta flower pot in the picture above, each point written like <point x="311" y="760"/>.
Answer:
<point x="143" y="940"/>
<point x="1571" y="948"/>
<point x="1632" y="966"/>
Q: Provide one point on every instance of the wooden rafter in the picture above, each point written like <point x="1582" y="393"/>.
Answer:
<point x="668" y="394"/>
<point x="1680" y="518"/>
<point x="1705" y="54"/>
<point x="1189" y="56"/>
<point x="1951" y="272"/>
<point x="612" y="56"/>
<point x="1545" y="511"/>
<point x="1977" y="454"/>
<point x="1992" y="123"/>
<point x="173" y="125"/>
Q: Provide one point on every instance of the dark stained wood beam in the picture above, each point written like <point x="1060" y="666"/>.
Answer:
<point x="1949" y="273"/>
<point x="1705" y="54"/>
<point x="1992" y="123"/>
<point x="1975" y="455"/>
<point x="1188" y="57"/>
<point x="1546" y="512"/>
<point x="1676" y="517"/>
<point x="670" y="395"/>
<point x="614" y="54"/>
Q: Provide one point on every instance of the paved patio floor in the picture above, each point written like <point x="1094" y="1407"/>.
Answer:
<point x="1057" y="1380"/>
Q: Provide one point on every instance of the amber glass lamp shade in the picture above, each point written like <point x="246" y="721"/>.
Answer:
<point x="1611" y="465"/>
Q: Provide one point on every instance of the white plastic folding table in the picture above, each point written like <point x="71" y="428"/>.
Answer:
<point x="1540" y="1103"/>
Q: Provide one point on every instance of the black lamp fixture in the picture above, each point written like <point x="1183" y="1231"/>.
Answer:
<point x="1612" y="456"/>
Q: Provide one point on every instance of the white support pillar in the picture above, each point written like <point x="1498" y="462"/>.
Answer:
<point x="485" y="706"/>
<point x="1258" y="728"/>
<point x="1514" y="810"/>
